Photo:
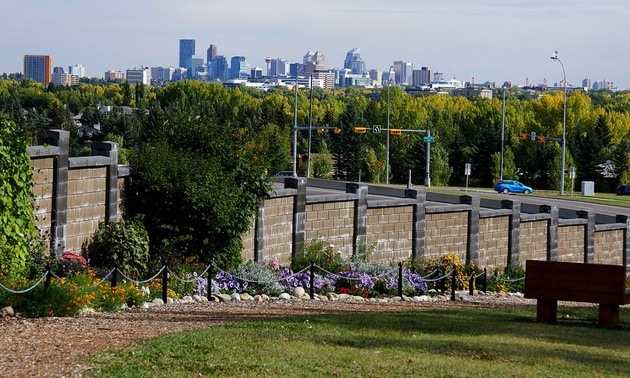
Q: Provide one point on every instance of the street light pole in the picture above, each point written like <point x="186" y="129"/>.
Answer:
<point x="295" y="128"/>
<point x="502" y="134"/>
<point x="389" y="84"/>
<point x="554" y="56"/>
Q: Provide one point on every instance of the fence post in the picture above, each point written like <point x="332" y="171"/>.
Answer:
<point x="48" y="275"/>
<point x="115" y="276"/>
<point x="312" y="281"/>
<point x="209" y="288"/>
<point x="164" y="281"/>
<point x="485" y="279"/>
<point x="400" y="283"/>
<point x="471" y="283"/>
<point x="453" y="283"/>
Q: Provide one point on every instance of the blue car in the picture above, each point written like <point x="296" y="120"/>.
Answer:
<point x="512" y="186"/>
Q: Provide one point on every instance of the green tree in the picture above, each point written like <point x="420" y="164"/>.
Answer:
<point x="322" y="163"/>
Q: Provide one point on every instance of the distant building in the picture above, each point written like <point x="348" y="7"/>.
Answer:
<point x="139" y="75"/>
<point x="376" y="76"/>
<point x="348" y="79"/>
<point x="256" y="73"/>
<point x="186" y="53"/>
<point x="211" y="53"/>
<point x="61" y="77"/>
<point x="354" y="62"/>
<point x="278" y="68"/>
<point x="77" y="70"/>
<point x="161" y="74"/>
<point x="197" y="66"/>
<point x="114" y="75"/>
<point x="296" y="70"/>
<point x="218" y="69"/>
<point x="38" y="68"/>
<point x="472" y="92"/>
<point x="404" y="72"/>
<point x="328" y="78"/>
<point x="238" y="68"/>
<point x="422" y="77"/>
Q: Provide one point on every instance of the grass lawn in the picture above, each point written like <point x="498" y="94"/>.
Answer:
<point x="431" y="343"/>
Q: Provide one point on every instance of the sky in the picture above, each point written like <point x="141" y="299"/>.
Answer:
<point x="469" y="40"/>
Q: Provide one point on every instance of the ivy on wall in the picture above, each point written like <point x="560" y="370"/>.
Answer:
<point x="17" y="226"/>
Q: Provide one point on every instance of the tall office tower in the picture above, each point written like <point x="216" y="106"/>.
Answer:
<point x="113" y="75"/>
<point x="186" y="52"/>
<point x="354" y="62"/>
<point x="314" y="62"/>
<point x="219" y="69"/>
<point x="211" y="53"/>
<point x="376" y="76"/>
<point x="238" y="67"/>
<point x="139" y="75"/>
<point x="407" y="73"/>
<point x="296" y="69"/>
<point x="197" y="67"/>
<point x="423" y="76"/>
<point x="256" y="73"/>
<point x="60" y="77"/>
<point x="398" y="72"/>
<point x="279" y="68"/>
<point x="38" y="68"/>
<point x="78" y="70"/>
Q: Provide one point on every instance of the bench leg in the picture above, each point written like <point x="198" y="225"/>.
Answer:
<point x="609" y="314"/>
<point x="546" y="310"/>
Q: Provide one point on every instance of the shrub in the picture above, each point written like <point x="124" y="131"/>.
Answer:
<point x="510" y="280"/>
<point x="446" y="264"/>
<point x="261" y="278"/>
<point x="320" y="253"/>
<point x="124" y="244"/>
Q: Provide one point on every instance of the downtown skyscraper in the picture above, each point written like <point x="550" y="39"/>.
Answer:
<point x="38" y="68"/>
<point x="186" y="53"/>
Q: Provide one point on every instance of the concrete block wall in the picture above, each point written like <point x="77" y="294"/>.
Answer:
<point x="571" y="243"/>
<point x="608" y="243"/>
<point x="533" y="240"/>
<point x="332" y="222"/>
<point x="86" y="204"/>
<point x="446" y="232"/>
<point x="278" y="226"/>
<point x="43" y="191"/>
<point x="493" y="241"/>
<point x="390" y="230"/>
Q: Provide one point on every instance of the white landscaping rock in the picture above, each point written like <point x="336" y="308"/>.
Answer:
<point x="235" y="297"/>
<point x="246" y="297"/>
<point x="7" y="311"/>
<point x="224" y="297"/>
<point x="299" y="292"/>
<point x="284" y="296"/>
<point x="158" y="301"/>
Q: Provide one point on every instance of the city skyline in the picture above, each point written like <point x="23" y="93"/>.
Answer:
<point x="510" y="40"/>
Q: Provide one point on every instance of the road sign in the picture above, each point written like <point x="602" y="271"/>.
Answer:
<point x="429" y="139"/>
<point x="467" y="169"/>
<point x="533" y="135"/>
<point x="376" y="129"/>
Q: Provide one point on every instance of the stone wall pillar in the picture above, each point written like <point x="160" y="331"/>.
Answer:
<point x="625" y="255"/>
<point x="299" y="212"/>
<point x="589" y="235"/>
<point x="59" y="208"/>
<point x="472" y="247"/>
<point x="514" y="231"/>
<point x="419" y="223"/>
<point x="109" y="149"/>
<point x="259" y="233"/>
<point x="359" y="239"/>
<point x="552" y="231"/>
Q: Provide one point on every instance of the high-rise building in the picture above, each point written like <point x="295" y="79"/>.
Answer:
<point x="197" y="67"/>
<point x="77" y="69"/>
<point x="218" y="69"/>
<point x="354" y="62"/>
<point x="211" y="53"/>
<point x="186" y="52"/>
<point x="162" y="74"/>
<point x="38" y="68"/>
<point x="238" y="67"/>
<point x="314" y="62"/>
<point x="279" y="67"/>
<point x="423" y="76"/>
<point x="256" y="73"/>
<point x="139" y="75"/>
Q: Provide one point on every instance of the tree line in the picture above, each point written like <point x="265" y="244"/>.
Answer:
<point x="206" y="153"/>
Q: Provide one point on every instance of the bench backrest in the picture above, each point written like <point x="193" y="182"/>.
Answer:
<point x="594" y="283"/>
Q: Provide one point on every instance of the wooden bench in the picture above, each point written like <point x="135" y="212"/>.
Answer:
<point x="552" y="281"/>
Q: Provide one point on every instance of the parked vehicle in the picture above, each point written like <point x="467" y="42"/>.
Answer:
<point x="512" y="186"/>
<point x="284" y="174"/>
<point x="623" y="190"/>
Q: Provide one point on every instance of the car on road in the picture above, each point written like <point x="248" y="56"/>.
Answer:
<point x="512" y="186"/>
<point x="623" y="190"/>
<point x="283" y="174"/>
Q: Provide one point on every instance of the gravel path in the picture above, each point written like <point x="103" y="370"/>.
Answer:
<point x="58" y="347"/>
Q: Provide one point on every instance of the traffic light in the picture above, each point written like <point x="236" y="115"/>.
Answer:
<point x="540" y="139"/>
<point x="523" y="136"/>
<point x="320" y="131"/>
<point x="337" y="130"/>
<point x="359" y="130"/>
<point x="395" y="131"/>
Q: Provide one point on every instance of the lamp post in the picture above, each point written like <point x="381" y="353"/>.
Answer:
<point x="502" y="134"/>
<point x="295" y="126"/>
<point x="389" y="84"/>
<point x="554" y="56"/>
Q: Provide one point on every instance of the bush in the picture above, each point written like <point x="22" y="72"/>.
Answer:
<point x="446" y="264"/>
<point x="320" y="253"/>
<point x="124" y="244"/>
<point x="510" y="280"/>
